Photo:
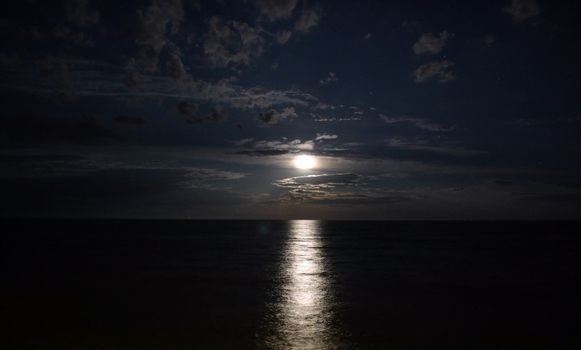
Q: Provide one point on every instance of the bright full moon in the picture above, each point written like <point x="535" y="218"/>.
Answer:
<point x="305" y="162"/>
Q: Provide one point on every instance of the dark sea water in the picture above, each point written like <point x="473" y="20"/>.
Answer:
<point x="290" y="285"/>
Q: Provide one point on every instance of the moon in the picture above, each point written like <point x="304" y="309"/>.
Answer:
<point x="305" y="162"/>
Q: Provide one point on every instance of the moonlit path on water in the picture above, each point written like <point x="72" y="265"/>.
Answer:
<point x="304" y="315"/>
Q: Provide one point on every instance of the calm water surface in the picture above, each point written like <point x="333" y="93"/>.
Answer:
<point x="290" y="285"/>
<point x="303" y="318"/>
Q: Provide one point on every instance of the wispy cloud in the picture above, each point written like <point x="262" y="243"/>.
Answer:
<point x="425" y="145"/>
<point x="207" y="178"/>
<point x="276" y="9"/>
<point x="420" y="123"/>
<point x="321" y="137"/>
<point x="73" y="77"/>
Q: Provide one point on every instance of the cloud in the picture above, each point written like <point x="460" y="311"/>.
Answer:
<point x="186" y="108"/>
<point x="129" y="120"/>
<point x="130" y="83"/>
<point x="574" y="198"/>
<point x="175" y="67"/>
<point x="272" y="116"/>
<point x="410" y="26"/>
<point x="9" y="58"/>
<point x="133" y="80"/>
<point x="329" y="79"/>
<point x="310" y="18"/>
<point x="321" y="137"/>
<point x="323" y="187"/>
<point x="153" y="23"/>
<point x="189" y="111"/>
<point x="274" y="148"/>
<point x="420" y="123"/>
<point x="283" y="36"/>
<point x="521" y="10"/>
<point x="276" y="9"/>
<point x="323" y="180"/>
<point x="69" y="35"/>
<point x="216" y="116"/>
<point x="431" y="44"/>
<point x="232" y="43"/>
<point x="243" y="142"/>
<point x="551" y="121"/>
<point x="206" y="178"/>
<point x="80" y="13"/>
<point x="424" y="145"/>
<point x="438" y="70"/>
<point x="58" y="72"/>
<point x="488" y="40"/>
<point x="367" y="36"/>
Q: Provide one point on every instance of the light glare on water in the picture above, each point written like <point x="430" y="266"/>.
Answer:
<point x="304" y="315"/>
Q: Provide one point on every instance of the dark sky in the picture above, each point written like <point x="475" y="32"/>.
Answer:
<point x="198" y="109"/>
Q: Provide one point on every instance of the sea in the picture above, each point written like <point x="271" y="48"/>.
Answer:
<point x="203" y="284"/>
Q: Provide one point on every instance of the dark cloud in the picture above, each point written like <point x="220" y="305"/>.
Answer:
<point x="273" y="148"/>
<point x="30" y="130"/>
<point x="133" y="80"/>
<point x="324" y="187"/>
<point x="67" y="34"/>
<point x="431" y="44"/>
<point x="522" y="10"/>
<point x="58" y="72"/>
<point x="232" y="43"/>
<point x="175" y="67"/>
<point x="114" y="192"/>
<point x="440" y="70"/>
<point x="11" y="159"/>
<point x="264" y="153"/>
<point x="187" y="108"/>
<point x="273" y="117"/>
<point x="217" y="115"/>
<point x="129" y="120"/>
<point x="153" y="23"/>
<point x="9" y="58"/>
<point x="574" y="198"/>
<point x="544" y="122"/>
<point x="80" y="13"/>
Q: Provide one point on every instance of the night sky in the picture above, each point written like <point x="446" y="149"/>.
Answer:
<point x="199" y="109"/>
